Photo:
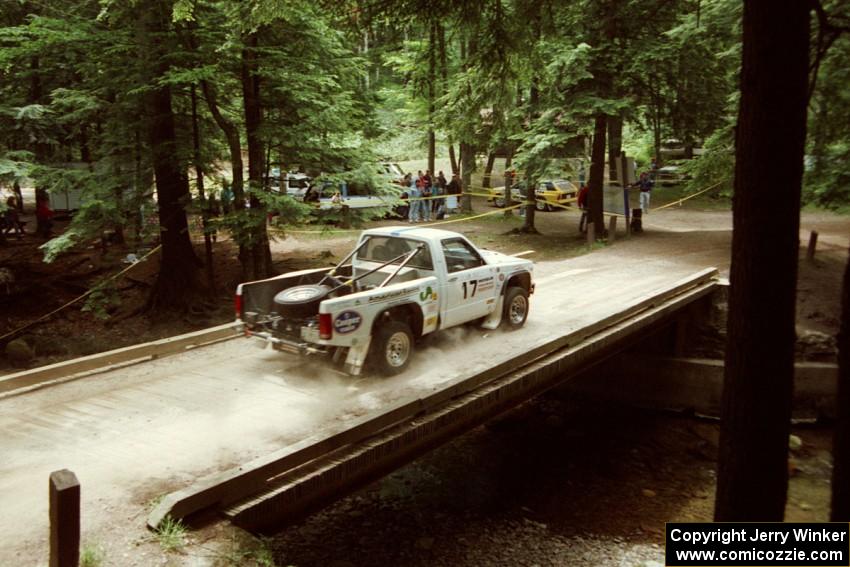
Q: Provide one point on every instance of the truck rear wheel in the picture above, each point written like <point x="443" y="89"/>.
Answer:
<point x="515" y="310"/>
<point x="300" y="301"/>
<point x="392" y="347"/>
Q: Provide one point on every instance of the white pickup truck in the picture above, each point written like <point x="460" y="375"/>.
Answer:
<point x="397" y="285"/>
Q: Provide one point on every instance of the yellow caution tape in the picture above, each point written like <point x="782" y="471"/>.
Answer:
<point x="691" y="196"/>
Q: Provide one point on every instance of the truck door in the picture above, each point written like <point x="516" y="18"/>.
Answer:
<point x="470" y="283"/>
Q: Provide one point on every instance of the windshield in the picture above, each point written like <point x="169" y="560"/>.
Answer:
<point x="385" y="248"/>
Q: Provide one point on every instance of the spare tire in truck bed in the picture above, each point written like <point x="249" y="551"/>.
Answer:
<point x="301" y="301"/>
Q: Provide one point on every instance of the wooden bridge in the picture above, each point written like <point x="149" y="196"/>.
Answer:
<point x="263" y="437"/>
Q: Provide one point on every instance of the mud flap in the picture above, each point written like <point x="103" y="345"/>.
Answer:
<point x="356" y="357"/>
<point x="495" y="317"/>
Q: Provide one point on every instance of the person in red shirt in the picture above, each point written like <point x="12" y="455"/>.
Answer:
<point x="582" y="204"/>
<point x="43" y="214"/>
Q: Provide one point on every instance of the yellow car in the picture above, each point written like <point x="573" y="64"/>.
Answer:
<point x="550" y="194"/>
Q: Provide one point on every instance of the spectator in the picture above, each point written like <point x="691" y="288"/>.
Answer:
<point x="413" y="194"/>
<point x="582" y="204"/>
<point x="403" y="210"/>
<point x="425" y="190"/>
<point x="645" y="184"/>
<point x="452" y="191"/>
<point x="226" y="196"/>
<point x="214" y="205"/>
<point x="213" y="212"/>
<point x="510" y="177"/>
<point x="437" y="204"/>
<point x="16" y="189"/>
<point x="43" y="214"/>
<point x="11" y="220"/>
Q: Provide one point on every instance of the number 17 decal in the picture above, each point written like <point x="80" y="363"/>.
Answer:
<point x="474" y="284"/>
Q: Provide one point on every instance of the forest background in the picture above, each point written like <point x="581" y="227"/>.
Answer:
<point x="154" y="106"/>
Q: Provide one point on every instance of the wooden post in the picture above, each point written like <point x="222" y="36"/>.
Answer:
<point x="612" y="229"/>
<point x="813" y="244"/>
<point x="346" y="217"/>
<point x="64" y="519"/>
<point x="591" y="233"/>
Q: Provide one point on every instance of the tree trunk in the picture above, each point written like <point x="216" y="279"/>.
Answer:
<point x="467" y="166"/>
<point x="467" y="149"/>
<point x="121" y="206"/>
<point x="656" y="132"/>
<point x="597" y="174"/>
<point x="752" y="478"/>
<point x="453" y="158"/>
<point x="615" y="144"/>
<point x="444" y="73"/>
<point x="199" y="176"/>
<point x="432" y="96"/>
<point x="486" y="181"/>
<point x="231" y="133"/>
<point x="234" y="144"/>
<point x="841" y="442"/>
<point x="267" y="166"/>
<point x="530" y="209"/>
<point x="177" y="283"/>
<point x="259" y="253"/>
<point x="366" y="56"/>
<point x="138" y="187"/>
<point x="85" y="150"/>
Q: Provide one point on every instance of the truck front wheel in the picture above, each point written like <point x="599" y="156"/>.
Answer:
<point x="392" y="347"/>
<point x="515" y="311"/>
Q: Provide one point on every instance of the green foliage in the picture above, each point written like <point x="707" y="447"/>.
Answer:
<point x="250" y="552"/>
<point x="716" y="165"/>
<point x="15" y="166"/>
<point x="102" y="300"/>
<point x="827" y="175"/>
<point x="171" y="534"/>
<point x="55" y="247"/>
<point x="342" y="86"/>
<point x="92" y="556"/>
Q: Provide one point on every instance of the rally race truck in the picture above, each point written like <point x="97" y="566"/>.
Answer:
<point x="397" y="285"/>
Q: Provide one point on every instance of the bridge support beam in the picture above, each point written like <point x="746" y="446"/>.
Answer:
<point x="696" y="384"/>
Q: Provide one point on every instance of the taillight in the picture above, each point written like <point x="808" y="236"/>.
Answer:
<point x="325" y="327"/>
<point x="237" y="304"/>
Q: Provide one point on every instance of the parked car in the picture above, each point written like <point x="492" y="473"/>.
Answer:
<point x="295" y="183"/>
<point x="392" y="171"/>
<point x="550" y="194"/>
